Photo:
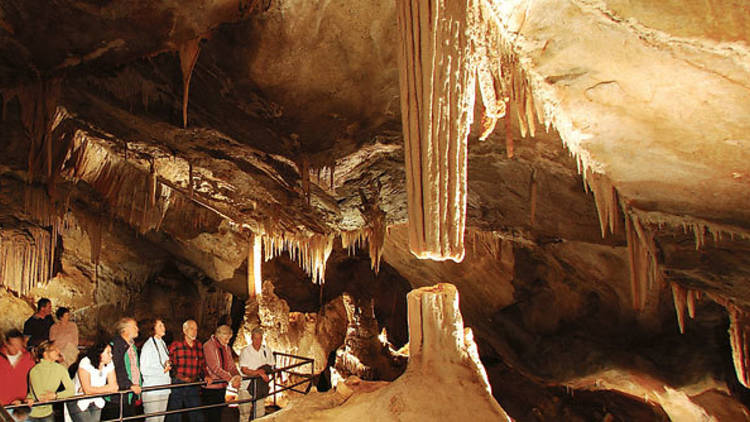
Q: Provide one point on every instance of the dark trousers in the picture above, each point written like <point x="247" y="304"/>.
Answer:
<point x="112" y="409"/>
<point x="216" y="396"/>
<point x="184" y="397"/>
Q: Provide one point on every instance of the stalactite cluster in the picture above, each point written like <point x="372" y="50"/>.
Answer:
<point x="437" y="78"/>
<point x="374" y="237"/>
<point x="495" y="246"/>
<point x="310" y="251"/>
<point x="503" y="83"/>
<point x="606" y="200"/>
<point x="374" y="231"/>
<point x="38" y="103"/>
<point x="644" y="268"/>
<point x="739" y="332"/>
<point x="324" y="177"/>
<point x="26" y="258"/>
<point x="137" y="198"/>
<point x="684" y="299"/>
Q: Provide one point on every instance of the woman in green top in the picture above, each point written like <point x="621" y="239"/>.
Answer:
<point x="45" y="378"/>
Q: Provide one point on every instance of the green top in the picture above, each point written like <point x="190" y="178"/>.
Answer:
<point x="46" y="376"/>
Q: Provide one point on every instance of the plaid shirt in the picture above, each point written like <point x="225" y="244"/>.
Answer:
<point x="188" y="362"/>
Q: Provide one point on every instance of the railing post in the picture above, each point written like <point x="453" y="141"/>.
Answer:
<point x="255" y="397"/>
<point x="122" y="398"/>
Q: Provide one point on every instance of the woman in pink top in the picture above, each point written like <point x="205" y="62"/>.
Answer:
<point x="65" y="335"/>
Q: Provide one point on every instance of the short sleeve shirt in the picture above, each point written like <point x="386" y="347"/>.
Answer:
<point x="98" y="379"/>
<point x="254" y="359"/>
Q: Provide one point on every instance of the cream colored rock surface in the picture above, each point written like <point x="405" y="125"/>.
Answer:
<point x="613" y="77"/>
<point x="443" y="381"/>
<point x="313" y="335"/>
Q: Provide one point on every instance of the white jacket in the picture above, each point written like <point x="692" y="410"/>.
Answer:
<point x="152" y="361"/>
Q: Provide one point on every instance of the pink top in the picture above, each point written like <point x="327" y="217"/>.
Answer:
<point x="65" y="337"/>
<point x="219" y="362"/>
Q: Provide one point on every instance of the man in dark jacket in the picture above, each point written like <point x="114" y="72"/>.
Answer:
<point x="127" y="369"/>
<point x="36" y="328"/>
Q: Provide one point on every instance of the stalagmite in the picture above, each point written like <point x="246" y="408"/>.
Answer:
<point x="437" y="79"/>
<point x="254" y="270"/>
<point x="188" y="57"/>
<point x="738" y="336"/>
<point x="679" y="296"/>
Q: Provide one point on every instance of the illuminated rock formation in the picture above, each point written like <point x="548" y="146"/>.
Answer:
<point x="444" y="378"/>
<point x="437" y="101"/>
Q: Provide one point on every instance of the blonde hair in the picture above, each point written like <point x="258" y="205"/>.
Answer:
<point x="43" y="348"/>
<point x="256" y="330"/>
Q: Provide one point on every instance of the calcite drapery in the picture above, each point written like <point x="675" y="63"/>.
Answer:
<point x="738" y="335"/>
<point x="25" y="258"/>
<point x="437" y="79"/>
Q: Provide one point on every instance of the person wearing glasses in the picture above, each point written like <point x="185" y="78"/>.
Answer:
<point x="155" y="367"/>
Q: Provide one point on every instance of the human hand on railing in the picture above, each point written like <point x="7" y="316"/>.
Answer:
<point x="135" y="388"/>
<point x="264" y="376"/>
<point x="209" y="380"/>
<point x="47" y="396"/>
<point x="235" y="381"/>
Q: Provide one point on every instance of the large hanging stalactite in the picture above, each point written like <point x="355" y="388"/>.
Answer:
<point x="437" y="78"/>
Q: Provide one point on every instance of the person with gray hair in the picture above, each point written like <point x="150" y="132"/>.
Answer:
<point x="256" y="360"/>
<point x="127" y="368"/>
<point x="219" y="366"/>
<point x="189" y="366"/>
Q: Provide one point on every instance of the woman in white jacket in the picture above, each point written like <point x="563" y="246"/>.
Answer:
<point x="155" y="366"/>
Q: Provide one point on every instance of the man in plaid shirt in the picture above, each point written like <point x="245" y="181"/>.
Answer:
<point x="188" y="365"/>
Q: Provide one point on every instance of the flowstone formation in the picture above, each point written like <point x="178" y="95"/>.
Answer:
<point x="444" y="378"/>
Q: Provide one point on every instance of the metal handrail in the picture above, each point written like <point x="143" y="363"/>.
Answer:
<point x="253" y="379"/>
